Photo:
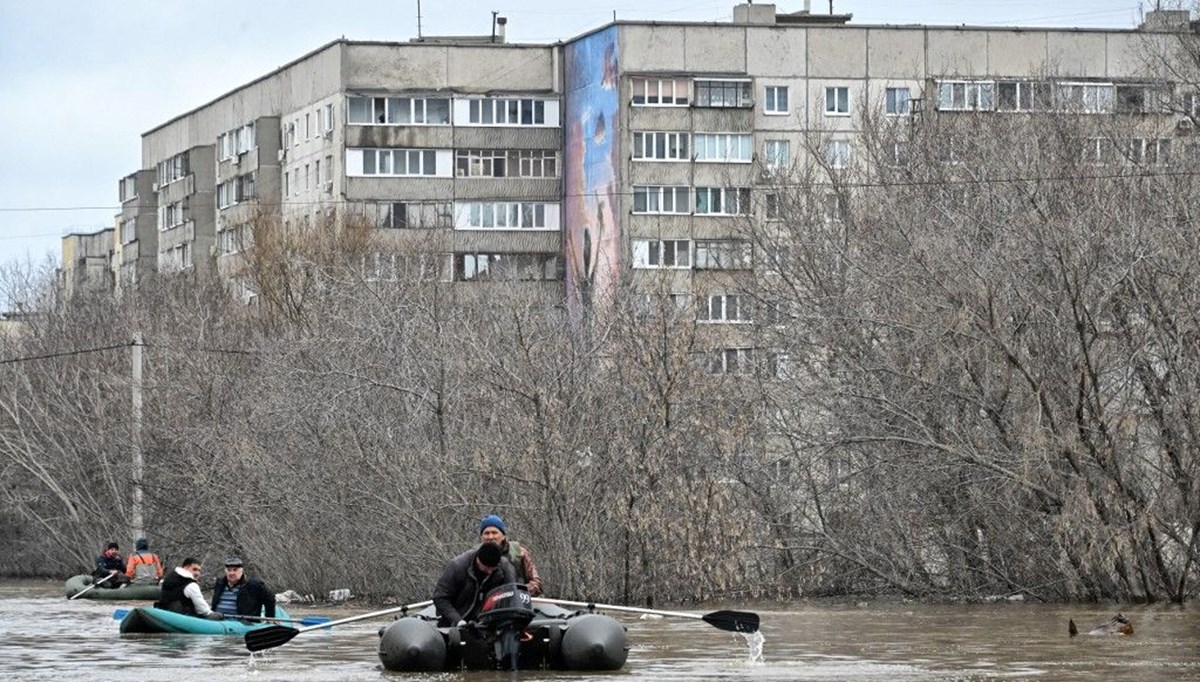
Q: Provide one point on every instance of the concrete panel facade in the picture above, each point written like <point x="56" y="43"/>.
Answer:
<point x="837" y="53"/>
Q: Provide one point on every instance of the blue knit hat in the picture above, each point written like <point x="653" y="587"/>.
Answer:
<point x="493" y="521"/>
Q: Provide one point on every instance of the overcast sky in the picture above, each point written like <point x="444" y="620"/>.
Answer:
<point x="80" y="81"/>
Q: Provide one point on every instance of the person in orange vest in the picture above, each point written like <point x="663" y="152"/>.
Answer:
<point x="143" y="566"/>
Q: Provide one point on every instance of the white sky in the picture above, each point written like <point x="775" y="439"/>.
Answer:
<point x="80" y="80"/>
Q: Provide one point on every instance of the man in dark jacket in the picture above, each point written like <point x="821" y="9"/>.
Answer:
<point x="467" y="579"/>
<point x="110" y="565"/>
<point x="181" y="592"/>
<point x="237" y="594"/>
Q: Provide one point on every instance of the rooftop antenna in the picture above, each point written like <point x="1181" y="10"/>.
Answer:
<point x="418" y="18"/>
<point x="494" y="13"/>
<point x="831" y="6"/>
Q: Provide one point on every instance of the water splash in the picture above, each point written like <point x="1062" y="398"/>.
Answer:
<point x="755" y="641"/>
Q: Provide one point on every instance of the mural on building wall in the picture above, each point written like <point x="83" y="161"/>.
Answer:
<point x="592" y="234"/>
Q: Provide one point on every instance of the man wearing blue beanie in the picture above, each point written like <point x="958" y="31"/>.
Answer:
<point x="493" y="529"/>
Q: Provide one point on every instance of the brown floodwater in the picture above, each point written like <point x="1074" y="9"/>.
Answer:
<point x="45" y="637"/>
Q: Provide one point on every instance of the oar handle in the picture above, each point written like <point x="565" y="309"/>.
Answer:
<point x="365" y="616"/>
<point x="92" y="586"/>
<point x="611" y="607"/>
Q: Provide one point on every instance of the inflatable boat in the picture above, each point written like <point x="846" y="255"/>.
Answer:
<point x="512" y="633"/>
<point x="150" y="620"/>
<point x="128" y="592"/>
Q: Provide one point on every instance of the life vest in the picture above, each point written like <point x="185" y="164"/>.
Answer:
<point x="172" y="597"/>
<point x="144" y="567"/>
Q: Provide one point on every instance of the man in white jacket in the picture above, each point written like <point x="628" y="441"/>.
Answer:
<point x="181" y="592"/>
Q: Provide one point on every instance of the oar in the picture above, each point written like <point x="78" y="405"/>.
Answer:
<point x="278" y="635"/>
<point x="91" y="587"/>
<point x="120" y="614"/>
<point x="733" y="621"/>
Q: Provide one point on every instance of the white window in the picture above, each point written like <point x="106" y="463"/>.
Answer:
<point x="174" y="168"/>
<point x="288" y="135"/>
<point x="326" y="121"/>
<point x="307" y="126"/>
<point x="499" y="163"/>
<point x="778" y="154"/>
<point x="724" y="94"/>
<point x="1086" y="98"/>
<point x="779" y="365"/>
<point x="897" y="102"/>
<point x="523" y="267"/>
<point x="1149" y="151"/>
<point x="725" y="147"/>
<point x="966" y="95"/>
<point x="1142" y="99"/>
<point x="732" y="361"/>
<point x="397" y="111"/>
<point x="775" y="100"/>
<point x="128" y="231"/>
<point x="726" y="308"/>
<point x="507" y="215"/>
<point x="1023" y="96"/>
<point x="837" y="101"/>
<point x="328" y="179"/>
<point x="724" y="254"/>
<point x="660" y="92"/>
<point x="170" y="216"/>
<point x="127" y="188"/>
<point x="397" y="162"/>
<point x="722" y="200"/>
<point x="1191" y="105"/>
<point x="409" y="215"/>
<point x="661" y="200"/>
<point x="662" y="253"/>
<point x="834" y="209"/>
<point x="507" y="112"/>
<point x="837" y="153"/>
<point x="660" y="146"/>
<point x="896" y="154"/>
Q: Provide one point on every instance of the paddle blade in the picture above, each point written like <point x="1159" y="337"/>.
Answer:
<point x="733" y="621"/>
<point x="314" y="620"/>
<point x="120" y="614"/>
<point x="269" y="637"/>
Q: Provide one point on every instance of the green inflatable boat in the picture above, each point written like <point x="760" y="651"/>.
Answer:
<point x="130" y="592"/>
<point x="149" y="620"/>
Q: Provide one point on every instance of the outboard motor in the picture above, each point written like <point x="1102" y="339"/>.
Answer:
<point x="505" y="613"/>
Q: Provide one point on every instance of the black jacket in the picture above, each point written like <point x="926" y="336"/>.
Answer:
<point x="172" y="598"/>
<point x="253" y="599"/>
<point x="460" y="591"/>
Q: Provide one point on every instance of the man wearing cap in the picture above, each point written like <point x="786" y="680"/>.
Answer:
<point x="236" y="594"/>
<point x="467" y="579"/>
<point x="110" y="564"/>
<point x="492" y="529"/>
<point x="143" y="566"/>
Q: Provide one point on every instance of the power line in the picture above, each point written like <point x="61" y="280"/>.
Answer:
<point x="79" y="351"/>
<point x="821" y="183"/>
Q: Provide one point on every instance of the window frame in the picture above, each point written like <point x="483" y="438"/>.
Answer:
<point x="771" y="97"/>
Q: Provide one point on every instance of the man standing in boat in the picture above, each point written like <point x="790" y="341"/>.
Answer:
<point x="493" y="529"/>
<point x="144" y="566"/>
<point x="467" y="579"/>
<point x="181" y="593"/>
<point x="110" y="563"/>
<point x="237" y="594"/>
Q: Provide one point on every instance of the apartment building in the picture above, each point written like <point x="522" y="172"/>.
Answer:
<point x="87" y="262"/>
<point x="633" y="151"/>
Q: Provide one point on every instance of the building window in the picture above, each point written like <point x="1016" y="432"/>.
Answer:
<point x="660" y="92"/>
<point x="1149" y="151"/>
<point x="507" y="216"/>
<point x="724" y="94"/>
<point x="837" y="101"/>
<point x="725" y="147"/>
<point x="397" y="111"/>
<point x="722" y="200"/>
<point x="170" y="216"/>
<point x="732" y="361"/>
<point x="660" y="146"/>
<point x="729" y="308"/>
<point x="773" y="209"/>
<point x="896" y="154"/>
<point x="519" y="267"/>
<point x="495" y="163"/>
<point x="897" y="102"/>
<point x="507" y="112"/>
<point x="1085" y="98"/>
<point x="660" y="200"/>
<point x="778" y="154"/>
<point x="392" y="162"/>
<point x="837" y="153"/>
<point x="724" y="254"/>
<point x="662" y="253"/>
<point x="128" y="231"/>
<point x="1142" y="99"/>
<point x="409" y="215"/>
<point x="174" y="168"/>
<point x="127" y="188"/>
<point x="966" y="95"/>
<point x="834" y="207"/>
<point x="1023" y="96"/>
<point x="775" y="100"/>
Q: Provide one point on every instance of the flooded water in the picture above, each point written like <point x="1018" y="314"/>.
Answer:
<point x="45" y="637"/>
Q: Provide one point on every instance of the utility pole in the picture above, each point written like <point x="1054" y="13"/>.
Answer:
<point x="137" y="522"/>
